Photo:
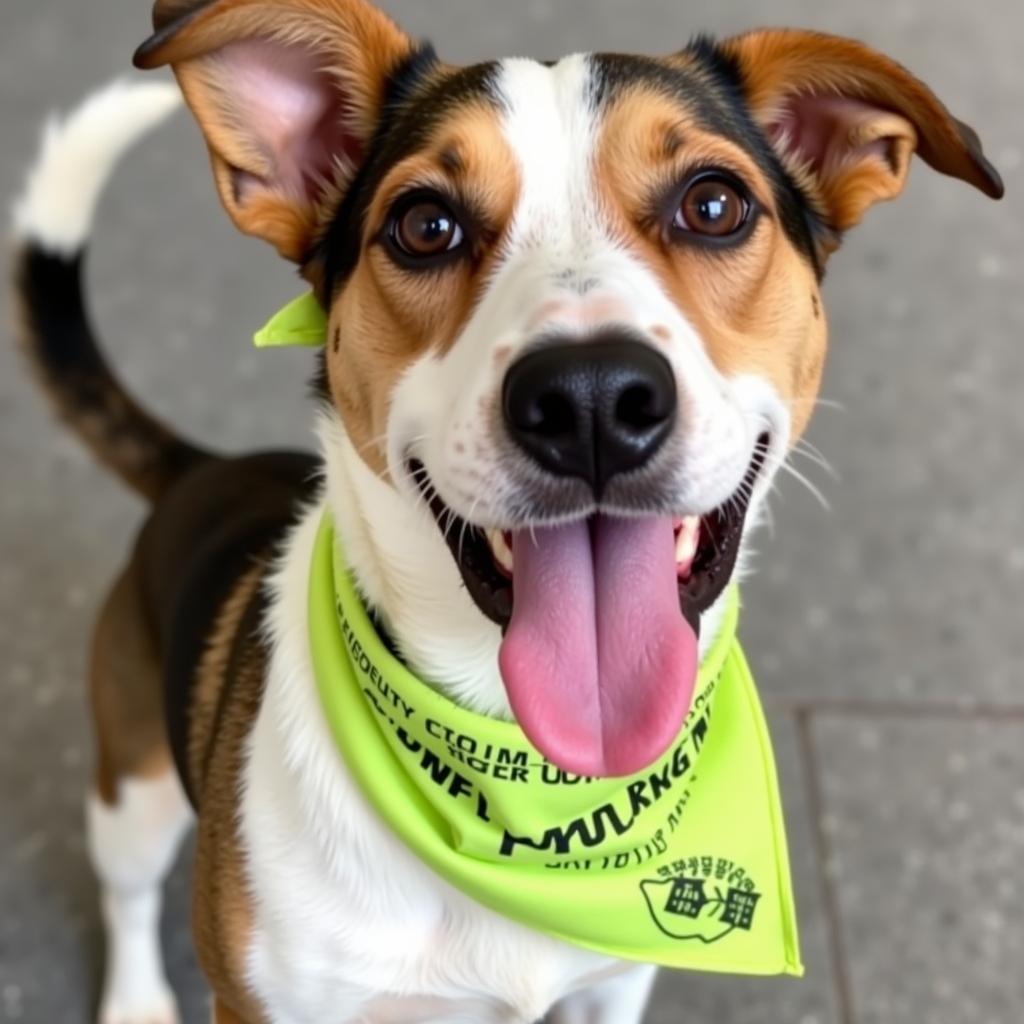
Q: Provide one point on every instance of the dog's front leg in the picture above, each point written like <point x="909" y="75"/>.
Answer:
<point x="618" y="1000"/>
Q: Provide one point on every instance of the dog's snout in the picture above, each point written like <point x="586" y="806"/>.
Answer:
<point x="591" y="409"/>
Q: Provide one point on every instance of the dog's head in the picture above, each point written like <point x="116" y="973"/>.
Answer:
<point x="574" y="308"/>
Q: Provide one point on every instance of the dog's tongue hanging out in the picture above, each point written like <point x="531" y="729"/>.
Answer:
<point x="598" y="661"/>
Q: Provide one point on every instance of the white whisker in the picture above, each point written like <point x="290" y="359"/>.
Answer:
<point x="814" y="490"/>
<point x="812" y="454"/>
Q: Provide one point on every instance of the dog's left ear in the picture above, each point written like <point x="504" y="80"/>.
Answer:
<point x="846" y="120"/>
<point x="288" y="94"/>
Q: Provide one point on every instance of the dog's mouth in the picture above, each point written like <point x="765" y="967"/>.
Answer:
<point x="600" y="618"/>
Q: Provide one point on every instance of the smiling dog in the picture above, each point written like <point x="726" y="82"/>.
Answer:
<point x="573" y="327"/>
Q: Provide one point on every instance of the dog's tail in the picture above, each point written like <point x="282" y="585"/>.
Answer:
<point x="52" y="222"/>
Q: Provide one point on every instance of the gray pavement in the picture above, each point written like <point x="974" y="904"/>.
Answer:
<point x="886" y="635"/>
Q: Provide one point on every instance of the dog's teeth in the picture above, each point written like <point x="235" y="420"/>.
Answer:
<point x="686" y="544"/>
<point x="500" y="549"/>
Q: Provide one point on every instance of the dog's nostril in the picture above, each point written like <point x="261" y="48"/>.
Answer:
<point x="553" y="416"/>
<point x="638" y="407"/>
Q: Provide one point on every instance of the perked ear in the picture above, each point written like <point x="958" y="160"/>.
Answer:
<point x="287" y="93"/>
<point x="845" y="120"/>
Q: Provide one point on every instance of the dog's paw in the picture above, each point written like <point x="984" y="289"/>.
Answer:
<point x="158" y="1007"/>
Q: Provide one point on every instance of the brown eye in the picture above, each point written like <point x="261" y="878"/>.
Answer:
<point x="712" y="206"/>
<point x="425" y="228"/>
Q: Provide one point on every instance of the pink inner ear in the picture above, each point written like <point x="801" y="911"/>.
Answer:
<point x="292" y="109"/>
<point x="817" y="129"/>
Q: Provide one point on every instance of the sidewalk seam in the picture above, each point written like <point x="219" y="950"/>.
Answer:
<point x="868" y="708"/>
<point x="825" y="861"/>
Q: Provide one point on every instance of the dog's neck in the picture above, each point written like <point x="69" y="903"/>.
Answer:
<point x="406" y="574"/>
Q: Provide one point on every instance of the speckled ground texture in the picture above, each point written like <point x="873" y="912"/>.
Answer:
<point x="887" y="634"/>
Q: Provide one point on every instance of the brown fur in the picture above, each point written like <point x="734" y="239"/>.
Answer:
<point x="222" y="1015"/>
<point x="213" y="674"/>
<point x="125" y="686"/>
<point x="779" y="64"/>
<point x="230" y="688"/>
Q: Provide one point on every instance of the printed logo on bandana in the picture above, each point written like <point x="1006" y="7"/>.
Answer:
<point x="702" y="898"/>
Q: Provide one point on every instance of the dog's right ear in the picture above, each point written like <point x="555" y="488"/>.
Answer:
<point x="287" y="93"/>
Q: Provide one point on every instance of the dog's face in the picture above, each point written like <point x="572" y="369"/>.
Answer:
<point x="574" y="307"/>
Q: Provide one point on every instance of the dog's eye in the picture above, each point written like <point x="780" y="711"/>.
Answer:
<point x="426" y="227"/>
<point x="712" y="205"/>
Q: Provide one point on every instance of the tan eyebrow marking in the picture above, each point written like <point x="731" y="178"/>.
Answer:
<point x="451" y="160"/>
<point x="673" y="142"/>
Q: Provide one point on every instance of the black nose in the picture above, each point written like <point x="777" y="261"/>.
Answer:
<point x="591" y="409"/>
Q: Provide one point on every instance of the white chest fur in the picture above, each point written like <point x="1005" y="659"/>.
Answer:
<point x="349" y="926"/>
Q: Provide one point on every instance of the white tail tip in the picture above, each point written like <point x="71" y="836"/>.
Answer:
<point x="78" y="155"/>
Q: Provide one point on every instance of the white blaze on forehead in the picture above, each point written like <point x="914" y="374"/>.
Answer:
<point x="550" y="122"/>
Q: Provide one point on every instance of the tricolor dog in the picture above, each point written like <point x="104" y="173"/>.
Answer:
<point x="571" y="327"/>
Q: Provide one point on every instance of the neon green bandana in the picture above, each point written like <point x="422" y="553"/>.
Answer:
<point x="682" y="865"/>
<point x="302" y="322"/>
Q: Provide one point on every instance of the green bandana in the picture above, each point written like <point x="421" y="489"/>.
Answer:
<point x="302" y="322"/>
<point x="682" y="865"/>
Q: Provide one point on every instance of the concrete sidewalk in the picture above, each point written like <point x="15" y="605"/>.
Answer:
<point x="887" y="635"/>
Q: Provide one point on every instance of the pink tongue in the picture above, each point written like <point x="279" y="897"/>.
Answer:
<point x="598" y="662"/>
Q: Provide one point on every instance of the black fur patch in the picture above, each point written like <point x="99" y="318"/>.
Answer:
<point x="319" y="383"/>
<point x="169" y="18"/>
<point x="60" y="341"/>
<point x="172" y="12"/>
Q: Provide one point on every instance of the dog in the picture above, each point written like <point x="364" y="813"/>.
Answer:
<point x="573" y="327"/>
